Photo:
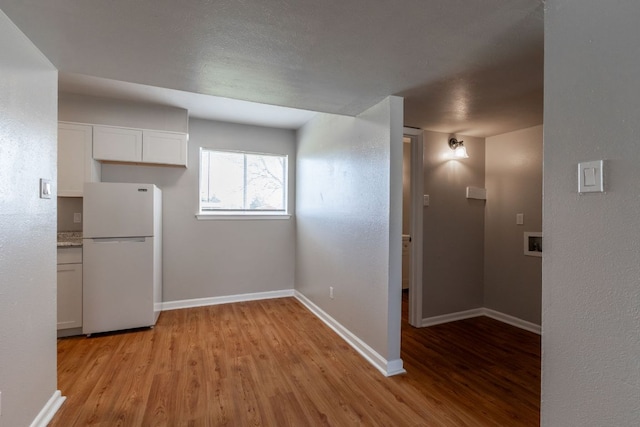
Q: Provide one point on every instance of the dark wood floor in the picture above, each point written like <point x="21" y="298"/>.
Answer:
<point x="272" y="363"/>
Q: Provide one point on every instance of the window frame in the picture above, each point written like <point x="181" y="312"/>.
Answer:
<point x="243" y="214"/>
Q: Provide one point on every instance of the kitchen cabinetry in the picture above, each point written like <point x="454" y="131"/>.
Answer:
<point x="117" y="144"/>
<point x="167" y="148"/>
<point x="69" y="291"/>
<point x="75" y="159"/>
<point x="139" y="146"/>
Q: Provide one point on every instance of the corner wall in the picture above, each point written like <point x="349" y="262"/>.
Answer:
<point x="513" y="281"/>
<point x="28" y="152"/>
<point x="213" y="258"/>
<point x="591" y="265"/>
<point x="453" y="255"/>
<point x="349" y="223"/>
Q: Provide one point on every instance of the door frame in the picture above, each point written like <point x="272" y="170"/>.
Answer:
<point x="417" y="206"/>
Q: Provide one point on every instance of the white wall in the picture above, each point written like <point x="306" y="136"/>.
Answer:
<point x="348" y="237"/>
<point x="591" y="264"/>
<point x="115" y="112"/>
<point x="453" y="254"/>
<point x="28" y="97"/>
<point x="513" y="176"/>
<point x="223" y="257"/>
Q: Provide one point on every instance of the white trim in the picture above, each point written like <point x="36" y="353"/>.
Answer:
<point x="387" y="368"/>
<point x="201" y="302"/>
<point x="394" y="367"/>
<point x="49" y="410"/>
<point x="240" y="216"/>
<point x="452" y="317"/>
<point x="476" y="312"/>
<point x="513" y="321"/>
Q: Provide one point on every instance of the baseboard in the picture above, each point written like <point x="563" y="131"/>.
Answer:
<point x="387" y="368"/>
<point x="513" y="321"/>
<point x="451" y="317"/>
<point x="201" y="302"/>
<point x="504" y="318"/>
<point x="49" y="410"/>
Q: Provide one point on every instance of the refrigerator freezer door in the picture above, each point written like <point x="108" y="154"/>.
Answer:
<point x="118" y="210"/>
<point x="118" y="287"/>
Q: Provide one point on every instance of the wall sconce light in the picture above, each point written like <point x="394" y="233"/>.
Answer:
<point x="459" y="151"/>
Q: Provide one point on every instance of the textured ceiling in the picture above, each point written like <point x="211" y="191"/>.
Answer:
<point x="471" y="67"/>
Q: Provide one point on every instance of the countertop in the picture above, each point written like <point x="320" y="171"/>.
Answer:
<point x="67" y="239"/>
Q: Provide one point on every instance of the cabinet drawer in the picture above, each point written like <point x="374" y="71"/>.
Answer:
<point x="69" y="256"/>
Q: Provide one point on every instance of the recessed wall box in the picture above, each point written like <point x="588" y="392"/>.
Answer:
<point x="476" y="193"/>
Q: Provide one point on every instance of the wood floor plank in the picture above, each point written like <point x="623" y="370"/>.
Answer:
<point x="273" y="363"/>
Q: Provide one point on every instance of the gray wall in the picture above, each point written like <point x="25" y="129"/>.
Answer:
<point x="28" y="94"/>
<point x="453" y="257"/>
<point x="513" y="177"/>
<point x="218" y="257"/>
<point x="591" y="264"/>
<point x="67" y="206"/>
<point x="114" y="112"/>
<point x="348" y="237"/>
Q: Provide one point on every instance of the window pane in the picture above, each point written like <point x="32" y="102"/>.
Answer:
<point x="227" y="179"/>
<point x="242" y="181"/>
<point x="265" y="182"/>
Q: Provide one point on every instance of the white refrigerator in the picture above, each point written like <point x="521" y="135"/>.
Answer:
<point x="122" y="256"/>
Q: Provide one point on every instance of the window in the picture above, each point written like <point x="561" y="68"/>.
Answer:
<point x="239" y="183"/>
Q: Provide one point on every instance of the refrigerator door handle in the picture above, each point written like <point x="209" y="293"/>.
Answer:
<point x="118" y="239"/>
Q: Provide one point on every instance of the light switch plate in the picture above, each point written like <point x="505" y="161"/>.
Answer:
<point x="520" y="219"/>
<point x="426" y="200"/>
<point x="591" y="177"/>
<point x="45" y="188"/>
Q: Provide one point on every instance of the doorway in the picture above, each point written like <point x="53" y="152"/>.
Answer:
<point x="412" y="223"/>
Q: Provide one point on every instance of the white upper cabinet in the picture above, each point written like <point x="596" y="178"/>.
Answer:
<point x="139" y="146"/>
<point x="75" y="161"/>
<point x="117" y="144"/>
<point x="167" y="148"/>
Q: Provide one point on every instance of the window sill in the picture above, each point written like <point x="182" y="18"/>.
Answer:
<point x="207" y="216"/>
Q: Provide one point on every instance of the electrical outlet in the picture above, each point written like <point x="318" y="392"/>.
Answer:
<point x="77" y="218"/>
<point x="331" y="292"/>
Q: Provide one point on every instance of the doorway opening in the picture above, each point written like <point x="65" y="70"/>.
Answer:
<point x="413" y="202"/>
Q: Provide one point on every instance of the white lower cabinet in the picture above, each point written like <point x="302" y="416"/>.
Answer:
<point x="69" y="289"/>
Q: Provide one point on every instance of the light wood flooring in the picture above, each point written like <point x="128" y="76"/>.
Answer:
<point x="273" y="363"/>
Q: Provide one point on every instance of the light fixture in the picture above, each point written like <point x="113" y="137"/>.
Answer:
<point x="459" y="151"/>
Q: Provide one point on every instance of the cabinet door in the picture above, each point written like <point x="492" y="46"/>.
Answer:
<point x="167" y="148"/>
<point x="117" y="144"/>
<point x="69" y="296"/>
<point x="75" y="163"/>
